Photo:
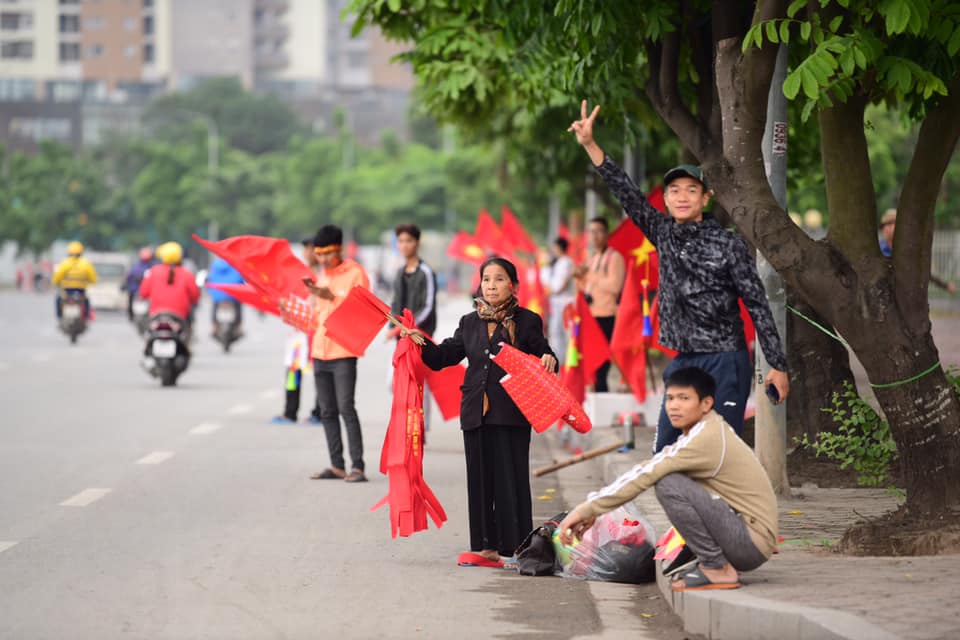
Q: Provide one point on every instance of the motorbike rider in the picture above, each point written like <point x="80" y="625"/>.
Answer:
<point x="222" y="273"/>
<point x="169" y="286"/>
<point x="74" y="275"/>
<point x="135" y="277"/>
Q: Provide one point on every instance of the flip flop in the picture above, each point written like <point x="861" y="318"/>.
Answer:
<point x="694" y="580"/>
<point x="355" y="476"/>
<point x="471" y="559"/>
<point x="326" y="474"/>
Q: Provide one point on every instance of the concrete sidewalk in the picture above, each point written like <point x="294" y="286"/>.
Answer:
<point x="807" y="591"/>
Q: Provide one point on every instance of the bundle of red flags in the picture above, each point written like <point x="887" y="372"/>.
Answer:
<point x="409" y="498"/>
<point x="268" y="265"/>
<point x="540" y="396"/>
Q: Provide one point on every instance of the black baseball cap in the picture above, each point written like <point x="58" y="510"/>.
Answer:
<point x="686" y="171"/>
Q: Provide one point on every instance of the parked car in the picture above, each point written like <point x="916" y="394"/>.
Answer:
<point x="112" y="271"/>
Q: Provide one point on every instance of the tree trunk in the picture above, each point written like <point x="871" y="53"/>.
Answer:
<point x="819" y="367"/>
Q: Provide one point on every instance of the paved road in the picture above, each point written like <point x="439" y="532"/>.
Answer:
<point x="129" y="510"/>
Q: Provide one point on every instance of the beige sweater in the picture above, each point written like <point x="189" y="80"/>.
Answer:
<point x="715" y="457"/>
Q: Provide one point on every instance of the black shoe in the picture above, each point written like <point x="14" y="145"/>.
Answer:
<point x="684" y="560"/>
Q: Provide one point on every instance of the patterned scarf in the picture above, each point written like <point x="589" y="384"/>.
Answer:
<point x="502" y="314"/>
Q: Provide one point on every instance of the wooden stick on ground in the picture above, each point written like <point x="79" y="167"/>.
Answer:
<point x="586" y="455"/>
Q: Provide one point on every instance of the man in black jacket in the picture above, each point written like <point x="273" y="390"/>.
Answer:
<point x="415" y="288"/>
<point x="704" y="269"/>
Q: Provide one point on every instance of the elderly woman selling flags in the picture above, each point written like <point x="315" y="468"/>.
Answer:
<point x="496" y="435"/>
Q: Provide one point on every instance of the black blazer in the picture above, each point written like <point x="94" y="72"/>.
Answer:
<point x="470" y="341"/>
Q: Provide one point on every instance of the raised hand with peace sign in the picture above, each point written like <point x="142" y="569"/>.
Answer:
<point x="583" y="129"/>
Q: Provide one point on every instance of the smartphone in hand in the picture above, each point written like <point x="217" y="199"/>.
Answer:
<point x="773" y="394"/>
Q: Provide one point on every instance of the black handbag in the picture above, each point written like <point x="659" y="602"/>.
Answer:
<point x="535" y="555"/>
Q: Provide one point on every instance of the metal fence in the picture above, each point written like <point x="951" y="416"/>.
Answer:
<point x="946" y="255"/>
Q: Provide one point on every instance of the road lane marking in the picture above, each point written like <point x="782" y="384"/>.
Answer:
<point x="156" y="457"/>
<point x="239" y="409"/>
<point x="270" y="394"/>
<point x="7" y="544"/>
<point x="205" y="428"/>
<point x="85" y="497"/>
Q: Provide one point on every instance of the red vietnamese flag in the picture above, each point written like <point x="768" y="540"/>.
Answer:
<point x="491" y="237"/>
<point x="653" y="341"/>
<point x="401" y="459"/>
<point x="515" y="233"/>
<point x="639" y="254"/>
<point x="628" y="345"/>
<point x="248" y="295"/>
<point x="265" y="263"/>
<point x="357" y="321"/>
<point x="445" y="388"/>
<point x="594" y="348"/>
<point x="531" y="293"/>
<point x="464" y="247"/>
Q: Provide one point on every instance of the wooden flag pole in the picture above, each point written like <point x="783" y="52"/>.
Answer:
<point x="416" y="338"/>
<point x="586" y="455"/>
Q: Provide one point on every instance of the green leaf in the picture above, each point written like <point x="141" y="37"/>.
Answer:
<point x="785" y="31"/>
<point x="954" y="45"/>
<point x="791" y="86"/>
<point x="835" y="23"/>
<point x="772" y="35"/>
<point x="795" y="7"/>
<point x="805" y="30"/>
<point x="811" y="88"/>
<point x="394" y="5"/>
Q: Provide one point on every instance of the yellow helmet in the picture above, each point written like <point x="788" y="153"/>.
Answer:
<point x="74" y="248"/>
<point x="170" y="253"/>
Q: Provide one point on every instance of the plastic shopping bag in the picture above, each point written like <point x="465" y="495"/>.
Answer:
<point x="617" y="548"/>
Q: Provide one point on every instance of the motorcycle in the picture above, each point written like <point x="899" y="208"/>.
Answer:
<point x="226" y="324"/>
<point x="141" y="314"/>
<point x="167" y="355"/>
<point x="73" y="317"/>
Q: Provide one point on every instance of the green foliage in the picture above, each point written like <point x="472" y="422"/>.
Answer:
<point x="897" y="52"/>
<point x="862" y="439"/>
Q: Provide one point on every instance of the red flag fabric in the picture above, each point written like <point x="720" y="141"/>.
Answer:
<point x="445" y="388"/>
<point x="265" y="263"/>
<point x="248" y="295"/>
<point x="464" y="247"/>
<point x="571" y="375"/>
<point x="531" y="293"/>
<point x="515" y="233"/>
<point x="540" y="396"/>
<point x="638" y="252"/>
<point x="655" y="197"/>
<point x="491" y="237"/>
<point x="749" y="331"/>
<point x="401" y="459"/>
<point x="268" y="265"/>
<point x="594" y="347"/>
<point x="357" y="321"/>
<point x="628" y="345"/>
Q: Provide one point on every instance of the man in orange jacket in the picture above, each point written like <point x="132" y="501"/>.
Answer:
<point x="334" y="367"/>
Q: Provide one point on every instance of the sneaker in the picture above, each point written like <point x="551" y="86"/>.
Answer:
<point x="312" y="420"/>
<point x="282" y="420"/>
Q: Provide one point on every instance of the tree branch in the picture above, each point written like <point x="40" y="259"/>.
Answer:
<point x="912" y="241"/>
<point x="664" y="94"/>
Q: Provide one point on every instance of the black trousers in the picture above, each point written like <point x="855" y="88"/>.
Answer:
<point x="498" y="487"/>
<point x="291" y="405"/>
<point x="606" y="325"/>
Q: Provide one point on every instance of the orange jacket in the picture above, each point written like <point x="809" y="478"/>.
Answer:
<point x="340" y="280"/>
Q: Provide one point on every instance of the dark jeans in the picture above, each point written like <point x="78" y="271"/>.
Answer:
<point x="291" y="405"/>
<point x="733" y="374"/>
<point x="606" y="325"/>
<point x="237" y="307"/>
<point x="336" y="383"/>
<point x="711" y="528"/>
<point x="86" y="302"/>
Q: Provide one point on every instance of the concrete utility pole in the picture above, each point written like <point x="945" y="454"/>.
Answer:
<point x="770" y="427"/>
